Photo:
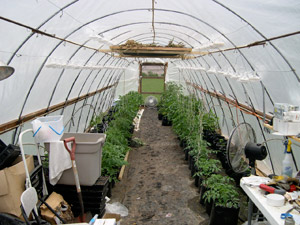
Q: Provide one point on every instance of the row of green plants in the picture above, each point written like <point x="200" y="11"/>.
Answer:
<point x="118" y="124"/>
<point x="196" y="128"/>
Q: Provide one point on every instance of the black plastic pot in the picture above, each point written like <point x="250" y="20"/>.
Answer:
<point x="183" y="143"/>
<point x="189" y="161"/>
<point x="223" y="216"/>
<point x="221" y="146"/>
<point x="208" y="207"/>
<point x="202" y="190"/>
<point x="101" y="127"/>
<point x="160" y="116"/>
<point x="111" y="111"/>
<point x="223" y="158"/>
<point x="131" y="129"/>
<point x="193" y="166"/>
<point x="107" y="118"/>
<point x="166" y="122"/>
<point x="215" y="143"/>
<point x="186" y="153"/>
<point x="197" y="178"/>
<point x="209" y="135"/>
<point x="220" y="155"/>
<point x="218" y="137"/>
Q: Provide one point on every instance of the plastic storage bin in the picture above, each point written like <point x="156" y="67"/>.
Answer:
<point x="88" y="157"/>
<point x="48" y="129"/>
<point x="286" y="128"/>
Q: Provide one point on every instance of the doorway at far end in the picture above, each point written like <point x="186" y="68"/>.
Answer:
<point x="152" y="79"/>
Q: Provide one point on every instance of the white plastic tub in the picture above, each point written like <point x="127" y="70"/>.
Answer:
<point x="88" y="157"/>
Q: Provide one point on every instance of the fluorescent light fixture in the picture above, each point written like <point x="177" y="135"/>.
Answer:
<point x="5" y="70"/>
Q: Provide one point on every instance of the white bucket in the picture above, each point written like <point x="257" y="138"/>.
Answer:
<point x="48" y="129"/>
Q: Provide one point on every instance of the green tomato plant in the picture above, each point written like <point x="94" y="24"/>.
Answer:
<point x="118" y="134"/>
<point x="221" y="191"/>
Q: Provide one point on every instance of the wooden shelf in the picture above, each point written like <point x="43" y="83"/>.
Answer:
<point x="140" y="51"/>
<point x="291" y="137"/>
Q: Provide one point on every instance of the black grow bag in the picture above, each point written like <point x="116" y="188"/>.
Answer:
<point x="208" y="207"/>
<point x="183" y="143"/>
<point x="202" y="190"/>
<point x="186" y="153"/>
<point x="131" y="129"/>
<point x="166" y="122"/>
<point x="197" y="178"/>
<point x="192" y="166"/>
<point x="223" y="216"/>
<point x="160" y="116"/>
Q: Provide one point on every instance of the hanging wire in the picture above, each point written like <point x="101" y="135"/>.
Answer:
<point x="37" y="31"/>
<point x="72" y="117"/>
<point x="153" y="2"/>
<point x="257" y="43"/>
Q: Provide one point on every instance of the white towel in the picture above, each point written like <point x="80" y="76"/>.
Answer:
<point x="59" y="160"/>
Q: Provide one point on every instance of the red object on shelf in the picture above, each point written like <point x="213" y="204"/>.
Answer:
<point x="293" y="187"/>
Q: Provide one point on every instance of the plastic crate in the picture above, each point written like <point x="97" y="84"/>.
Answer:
<point x="93" y="196"/>
<point x="9" y="155"/>
<point x="2" y="146"/>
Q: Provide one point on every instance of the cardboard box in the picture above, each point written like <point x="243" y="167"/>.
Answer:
<point x="60" y="206"/>
<point x="12" y="185"/>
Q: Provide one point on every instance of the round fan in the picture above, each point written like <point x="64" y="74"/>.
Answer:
<point x="242" y="149"/>
<point x="151" y="101"/>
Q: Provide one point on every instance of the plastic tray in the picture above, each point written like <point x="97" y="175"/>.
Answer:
<point x="2" y="146"/>
<point x="8" y="156"/>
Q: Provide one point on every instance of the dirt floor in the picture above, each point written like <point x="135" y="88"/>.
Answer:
<point x="157" y="187"/>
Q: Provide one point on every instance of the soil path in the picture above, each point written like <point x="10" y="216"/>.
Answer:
<point x="157" y="187"/>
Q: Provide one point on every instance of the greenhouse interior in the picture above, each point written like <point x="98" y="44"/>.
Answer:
<point x="150" y="112"/>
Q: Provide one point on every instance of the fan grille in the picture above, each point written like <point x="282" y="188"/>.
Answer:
<point x="238" y="139"/>
<point x="151" y="101"/>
